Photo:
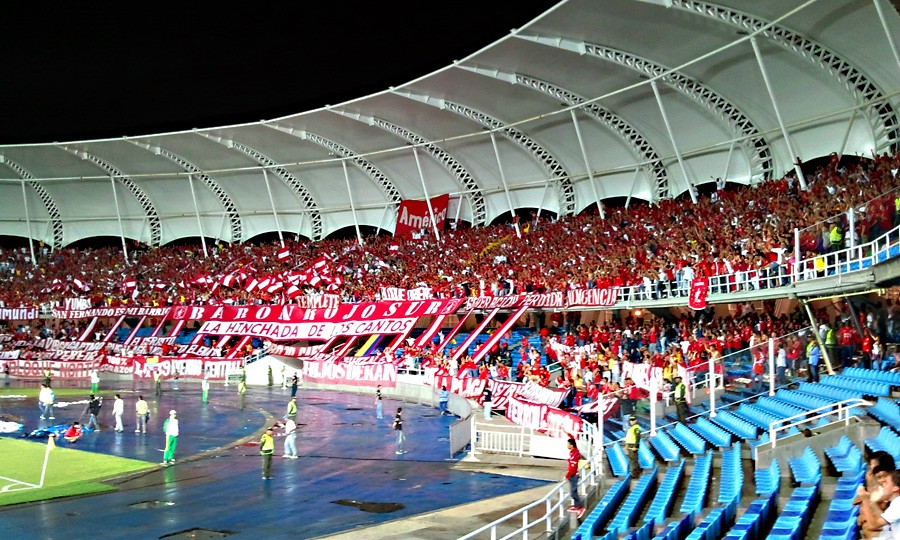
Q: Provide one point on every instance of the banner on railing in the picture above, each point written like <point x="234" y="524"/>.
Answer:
<point x="76" y="304"/>
<point x="649" y="378"/>
<point x="131" y="311"/>
<point x="608" y="405"/>
<point x="539" y="416"/>
<point x="699" y="290"/>
<point x="293" y="352"/>
<point x="9" y="355"/>
<point x="370" y="374"/>
<point x="414" y="216"/>
<point x="196" y="368"/>
<point x="592" y="297"/>
<point x="514" y="301"/>
<point x="396" y="293"/>
<point x="18" y="314"/>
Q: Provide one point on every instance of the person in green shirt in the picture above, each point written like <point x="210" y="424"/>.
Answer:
<point x="267" y="448"/>
<point x="632" y="443"/>
<point x="242" y="390"/>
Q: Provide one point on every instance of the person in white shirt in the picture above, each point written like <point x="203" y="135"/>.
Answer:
<point x="118" y="411"/>
<point x="885" y="523"/>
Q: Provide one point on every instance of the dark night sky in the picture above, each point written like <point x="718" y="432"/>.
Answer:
<point x="70" y="73"/>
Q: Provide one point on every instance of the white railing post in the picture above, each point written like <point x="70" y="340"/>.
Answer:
<point x="599" y="435"/>
<point x="711" y="385"/>
<point x="653" y="400"/>
<point x="771" y="367"/>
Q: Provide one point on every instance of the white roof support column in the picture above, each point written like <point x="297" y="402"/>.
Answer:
<point x="197" y="210"/>
<point x="728" y="161"/>
<point x="543" y="196"/>
<point x="112" y="184"/>
<point x="887" y="31"/>
<point x="587" y="164"/>
<point x="637" y="172"/>
<point x="787" y="138"/>
<point x="437" y="235"/>
<point x="512" y="212"/>
<point x="28" y="224"/>
<point x="665" y="117"/>
<point x="847" y="134"/>
<point x="272" y="202"/>
<point x="350" y="197"/>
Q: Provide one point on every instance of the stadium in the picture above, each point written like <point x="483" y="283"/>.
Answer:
<point x="628" y="270"/>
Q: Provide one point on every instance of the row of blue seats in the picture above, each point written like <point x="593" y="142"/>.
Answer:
<point x="886" y="411"/>
<point x="796" y="514"/>
<point x="757" y="518"/>
<point x="710" y="431"/>
<point x="677" y="529"/>
<point x="768" y="481"/>
<point x="618" y="461"/>
<point x="664" y="498"/>
<point x="714" y="525"/>
<point x="687" y="439"/>
<point x="628" y="514"/>
<point x="696" y="491"/>
<point x="889" y="377"/>
<point x="887" y="440"/>
<point x="644" y="532"/>
<point x="869" y="388"/>
<point x="801" y="399"/>
<point x="603" y="512"/>
<point x="731" y="476"/>
<point x="845" y="456"/>
<point x="806" y="468"/>
<point x="736" y="425"/>
<point x="840" y="521"/>
<point x="833" y="393"/>
<point x="665" y="446"/>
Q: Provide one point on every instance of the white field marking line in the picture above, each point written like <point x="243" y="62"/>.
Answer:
<point x="9" y="487"/>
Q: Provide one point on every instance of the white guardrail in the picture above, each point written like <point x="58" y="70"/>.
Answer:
<point x="843" y="410"/>
<point x="538" y="518"/>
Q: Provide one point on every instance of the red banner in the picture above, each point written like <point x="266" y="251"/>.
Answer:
<point x="699" y="289"/>
<point x="555" y="422"/>
<point x="197" y="368"/>
<point x="592" y="297"/>
<point x="133" y="311"/>
<point x="413" y="215"/>
<point x="396" y="293"/>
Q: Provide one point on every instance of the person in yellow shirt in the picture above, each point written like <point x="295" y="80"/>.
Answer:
<point x="267" y="448"/>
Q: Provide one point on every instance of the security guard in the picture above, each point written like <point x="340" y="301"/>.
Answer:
<point x="242" y="389"/>
<point x="680" y="396"/>
<point x="292" y="409"/>
<point x="632" y="443"/>
<point x="267" y="448"/>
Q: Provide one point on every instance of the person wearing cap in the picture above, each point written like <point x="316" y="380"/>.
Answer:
<point x="170" y="428"/>
<point x="267" y="448"/>
<point x="572" y="478"/>
<point x="680" y="397"/>
<point x="632" y="443"/>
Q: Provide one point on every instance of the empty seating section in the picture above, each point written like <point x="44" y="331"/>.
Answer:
<point x="603" y="512"/>
<point x="645" y="456"/>
<point x="806" y="469"/>
<point x="829" y="392"/>
<point x="676" y="530"/>
<point x="618" y="463"/>
<point x="696" y="491"/>
<point x="779" y="408"/>
<point x="868" y="388"/>
<point x="768" y="481"/>
<point x="642" y="533"/>
<point x="794" y="518"/>
<point x="688" y="440"/>
<point x="757" y="416"/>
<point x="886" y="411"/>
<point x="840" y="521"/>
<point x="736" y="425"/>
<point x="887" y="440"/>
<point x="664" y="498"/>
<point x="665" y="446"/>
<point x="845" y="457"/>
<point x="634" y="504"/>
<point x="714" y="434"/>
<point x="757" y="518"/>
<point x="731" y="476"/>
<point x="715" y="523"/>
<point x="887" y="377"/>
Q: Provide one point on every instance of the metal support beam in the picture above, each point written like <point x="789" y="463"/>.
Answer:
<point x="112" y="184"/>
<point x="847" y="134"/>
<point x="437" y="235"/>
<point x="665" y="117"/>
<point x="28" y="224"/>
<point x="887" y="32"/>
<point x="350" y="197"/>
<point x="512" y="212"/>
<point x="815" y="333"/>
<point x="272" y="202"/>
<point x="784" y="132"/>
<point x="728" y="162"/>
<point x="637" y="171"/>
<point x="587" y="164"/>
<point x="197" y="210"/>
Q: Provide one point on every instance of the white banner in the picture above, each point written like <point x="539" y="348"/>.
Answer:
<point x="328" y="372"/>
<point x="18" y="314"/>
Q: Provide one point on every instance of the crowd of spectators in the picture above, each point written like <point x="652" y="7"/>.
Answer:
<point x="742" y="230"/>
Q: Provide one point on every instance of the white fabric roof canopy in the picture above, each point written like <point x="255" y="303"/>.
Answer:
<point x="569" y="100"/>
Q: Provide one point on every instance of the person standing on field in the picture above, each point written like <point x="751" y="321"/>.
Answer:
<point x="170" y="428"/>
<point x="118" y="411"/>
<point x="141" y="413"/>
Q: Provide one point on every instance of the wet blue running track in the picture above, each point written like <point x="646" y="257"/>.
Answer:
<point x="346" y="455"/>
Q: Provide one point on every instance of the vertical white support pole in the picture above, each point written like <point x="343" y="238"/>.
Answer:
<point x="587" y="164"/>
<point x="711" y="384"/>
<point x="797" y="261"/>
<point x="197" y="211"/>
<point x="381" y="221"/>
<point x="851" y="221"/>
<point x="728" y="162"/>
<point x="112" y="183"/>
<point x="600" y="419"/>
<point x="784" y="132"/>
<point x="28" y="223"/>
<point x="300" y="226"/>
<point x="887" y="32"/>
<point x="771" y="367"/>
<point x="847" y="134"/>
<point x="458" y="210"/>
<point x="434" y="227"/>
<point x="512" y="212"/>
<point x="665" y="117"/>
<point x="350" y="197"/>
<point x="654" y="399"/>
<point x="272" y="202"/>
<point x="637" y="172"/>
<point x="543" y="196"/>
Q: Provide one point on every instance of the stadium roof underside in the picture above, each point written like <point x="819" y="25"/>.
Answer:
<point x="590" y="101"/>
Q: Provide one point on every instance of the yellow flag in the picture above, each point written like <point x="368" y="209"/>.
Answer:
<point x="51" y="442"/>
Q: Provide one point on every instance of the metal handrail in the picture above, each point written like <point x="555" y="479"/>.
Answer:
<point x="839" y="408"/>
